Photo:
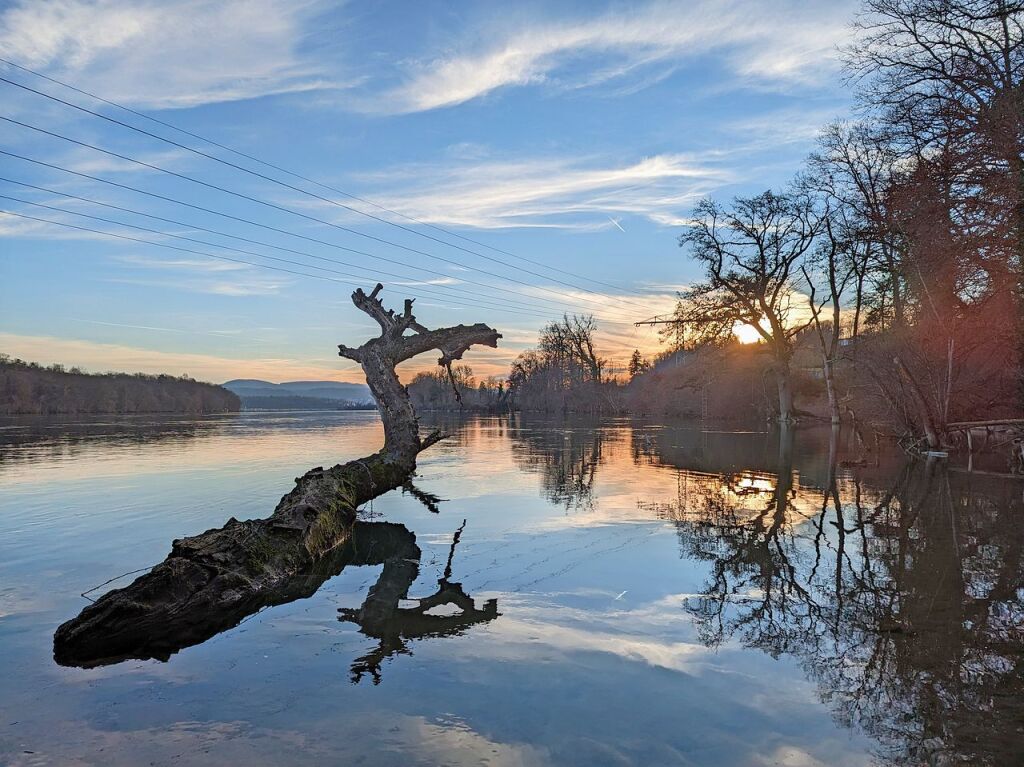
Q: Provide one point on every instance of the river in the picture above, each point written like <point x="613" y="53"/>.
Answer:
<point x="600" y="592"/>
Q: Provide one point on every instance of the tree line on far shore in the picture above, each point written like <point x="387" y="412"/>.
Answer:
<point x="886" y="282"/>
<point x="27" y="388"/>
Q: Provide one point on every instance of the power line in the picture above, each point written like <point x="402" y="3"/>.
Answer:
<point x="165" y="245"/>
<point x="283" y="208"/>
<point x="293" y="174"/>
<point x="287" y="232"/>
<point x="245" y="252"/>
<point x="660" y="319"/>
<point x="180" y="249"/>
<point x="190" y="225"/>
<point x="289" y="186"/>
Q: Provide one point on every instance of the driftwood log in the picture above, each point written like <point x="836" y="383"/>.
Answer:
<point x="243" y="565"/>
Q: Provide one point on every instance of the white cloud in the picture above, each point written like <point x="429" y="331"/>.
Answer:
<point x="191" y="264"/>
<point x="792" y="125"/>
<point x="12" y="226"/>
<point x="770" y="42"/>
<point x="94" y="163"/>
<point x="199" y="275"/>
<point x="565" y="193"/>
<point x="248" y="286"/>
<point x="165" y="53"/>
<point x="41" y="224"/>
<point x="434" y="281"/>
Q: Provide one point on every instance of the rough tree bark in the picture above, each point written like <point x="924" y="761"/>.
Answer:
<point x="239" y="564"/>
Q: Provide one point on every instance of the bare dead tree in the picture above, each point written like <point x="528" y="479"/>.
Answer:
<point x="243" y="564"/>
<point x="379" y="356"/>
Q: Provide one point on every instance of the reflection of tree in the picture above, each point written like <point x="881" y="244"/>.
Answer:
<point x="368" y="543"/>
<point x="566" y="455"/>
<point x="381" y="617"/>
<point x="905" y="606"/>
<point x="28" y="439"/>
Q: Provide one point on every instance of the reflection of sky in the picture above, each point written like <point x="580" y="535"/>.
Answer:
<point x="593" y="660"/>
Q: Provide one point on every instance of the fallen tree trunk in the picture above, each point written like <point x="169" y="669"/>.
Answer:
<point x="243" y="563"/>
<point x="961" y="425"/>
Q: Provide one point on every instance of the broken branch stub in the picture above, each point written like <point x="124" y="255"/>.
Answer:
<point x="379" y="356"/>
<point x="233" y="570"/>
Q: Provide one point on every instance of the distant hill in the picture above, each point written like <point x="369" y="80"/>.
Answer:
<point x="30" y="388"/>
<point x="296" y="395"/>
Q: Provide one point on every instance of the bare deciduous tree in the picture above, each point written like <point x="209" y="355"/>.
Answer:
<point x="945" y="78"/>
<point x="827" y="268"/>
<point x="570" y="341"/>
<point x="751" y="254"/>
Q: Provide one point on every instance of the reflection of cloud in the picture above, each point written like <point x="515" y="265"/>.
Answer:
<point x="216" y="445"/>
<point x="547" y="627"/>
<point x="378" y="738"/>
<point x="790" y="756"/>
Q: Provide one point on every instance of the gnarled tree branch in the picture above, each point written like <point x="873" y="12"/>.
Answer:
<point x="379" y="356"/>
<point x="212" y="580"/>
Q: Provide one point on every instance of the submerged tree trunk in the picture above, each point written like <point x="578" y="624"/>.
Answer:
<point x="828" y="372"/>
<point x="785" y="387"/>
<point x="242" y="562"/>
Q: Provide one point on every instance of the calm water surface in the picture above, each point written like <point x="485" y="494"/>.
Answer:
<point x="644" y="594"/>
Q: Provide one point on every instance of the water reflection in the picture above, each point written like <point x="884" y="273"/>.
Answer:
<point x="898" y="586"/>
<point x="369" y="543"/>
<point x="634" y="561"/>
<point x="567" y="457"/>
<point x="381" y="617"/>
<point x="32" y="439"/>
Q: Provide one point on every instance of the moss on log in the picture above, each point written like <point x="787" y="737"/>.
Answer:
<point x="227" y="570"/>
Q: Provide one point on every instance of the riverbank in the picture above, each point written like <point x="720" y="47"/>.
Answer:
<point x="27" y="388"/>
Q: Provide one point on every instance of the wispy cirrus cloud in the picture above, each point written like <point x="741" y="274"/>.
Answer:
<point x="167" y="53"/>
<point x="779" y="41"/>
<point x="221" y="278"/>
<point x="205" y="266"/>
<point x="562" y="192"/>
<point x="95" y="163"/>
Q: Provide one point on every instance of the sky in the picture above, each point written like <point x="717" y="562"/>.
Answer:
<point x="499" y="162"/>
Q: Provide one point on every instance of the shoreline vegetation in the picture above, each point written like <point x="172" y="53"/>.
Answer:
<point x="28" y="388"/>
<point x="883" y="286"/>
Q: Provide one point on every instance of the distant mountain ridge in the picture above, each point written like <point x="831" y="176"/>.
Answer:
<point x="330" y="393"/>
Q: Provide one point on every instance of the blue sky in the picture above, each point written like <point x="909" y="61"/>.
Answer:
<point x="560" y="136"/>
